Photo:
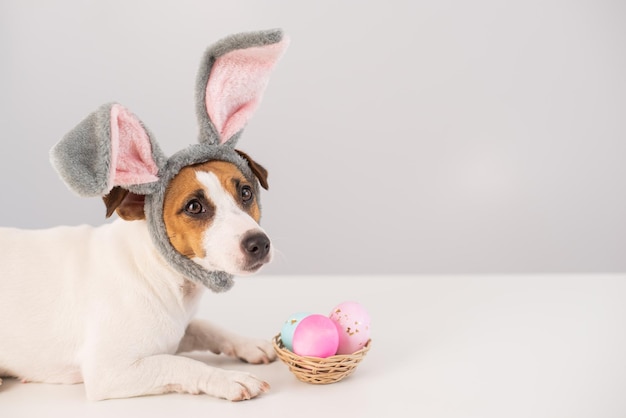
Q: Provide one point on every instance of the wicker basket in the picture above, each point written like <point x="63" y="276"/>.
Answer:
<point x="319" y="371"/>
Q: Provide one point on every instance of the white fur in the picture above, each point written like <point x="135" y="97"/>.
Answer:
<point x="113" y="313"/>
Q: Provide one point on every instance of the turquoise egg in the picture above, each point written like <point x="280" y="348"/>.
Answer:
<point x="289" y="327"/>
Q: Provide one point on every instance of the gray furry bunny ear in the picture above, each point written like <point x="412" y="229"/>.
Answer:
<point x="231" y="81"/>
<point x="109" y="148"/>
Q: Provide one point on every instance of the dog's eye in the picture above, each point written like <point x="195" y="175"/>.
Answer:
<point x="194" y="207"/>
<point x="246" y="193"/>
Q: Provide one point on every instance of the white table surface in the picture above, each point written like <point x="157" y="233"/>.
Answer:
<point x="442" y="346"/>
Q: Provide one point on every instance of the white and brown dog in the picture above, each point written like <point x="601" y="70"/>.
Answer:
<point x="112" y="306"/>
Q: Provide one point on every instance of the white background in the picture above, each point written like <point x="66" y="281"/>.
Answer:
<point x="400" y="136"/>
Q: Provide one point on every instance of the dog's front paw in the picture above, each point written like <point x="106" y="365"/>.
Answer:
<point x="254" y="351"/>
<point x="235" y="386"/>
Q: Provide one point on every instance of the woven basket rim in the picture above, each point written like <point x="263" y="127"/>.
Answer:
<point x="278" y="344"/>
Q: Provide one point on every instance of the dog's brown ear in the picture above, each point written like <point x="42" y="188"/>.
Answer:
<point x="129" y="206"/>
<point x="259" y="171"/>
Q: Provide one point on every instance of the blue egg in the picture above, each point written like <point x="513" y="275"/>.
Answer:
<point x="286" y="333"/>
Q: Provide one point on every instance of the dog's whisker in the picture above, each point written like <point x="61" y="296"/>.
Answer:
<point x="280" y="254"/>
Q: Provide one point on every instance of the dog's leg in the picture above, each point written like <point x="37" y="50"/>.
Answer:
<point x="202" y="335"/>
<point x="165" y="373"/>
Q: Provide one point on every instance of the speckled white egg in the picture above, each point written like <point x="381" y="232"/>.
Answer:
<point x="353" y="326"/>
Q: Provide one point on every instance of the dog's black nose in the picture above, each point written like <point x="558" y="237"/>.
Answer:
<point x="256" y="246"/>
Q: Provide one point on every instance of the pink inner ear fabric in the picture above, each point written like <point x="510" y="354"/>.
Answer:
<point x="131" y="151"/>
<point x="236" y="85"/>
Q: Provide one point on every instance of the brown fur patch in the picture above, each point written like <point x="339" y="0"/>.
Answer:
<point x="186" y="232"/>
<point x="129" y="206"/>
<point x="259" y="171"/>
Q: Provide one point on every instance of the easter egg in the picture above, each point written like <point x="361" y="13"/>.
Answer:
<point x="315" y="336"/>
<point x="353" y="326"/>
<point x="289" y="327"/>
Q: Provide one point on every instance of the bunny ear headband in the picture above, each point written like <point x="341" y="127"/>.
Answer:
<point x="111" y="148"/>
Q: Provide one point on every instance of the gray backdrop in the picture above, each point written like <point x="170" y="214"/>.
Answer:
<point x="400" y="136"/>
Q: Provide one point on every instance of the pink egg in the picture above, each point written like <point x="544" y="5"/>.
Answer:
<point x="353" y="326"/>
<point x="315" y="336"/>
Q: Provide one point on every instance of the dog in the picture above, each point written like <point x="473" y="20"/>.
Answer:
<point x="112" y="306"/>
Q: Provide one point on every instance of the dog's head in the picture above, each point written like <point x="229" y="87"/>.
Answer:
<point x="211" y="213"/>
<point x="201" y="204"/>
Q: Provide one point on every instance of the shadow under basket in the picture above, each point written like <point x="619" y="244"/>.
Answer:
<point x="319" y="371"/>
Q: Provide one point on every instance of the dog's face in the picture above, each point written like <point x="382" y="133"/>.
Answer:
<point x="211" y="215"/>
